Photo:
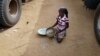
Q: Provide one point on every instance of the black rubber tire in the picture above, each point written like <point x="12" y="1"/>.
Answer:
<point x="10" y="12"/>
<point x="91" y="4"/>
<point x="96" y="18"/>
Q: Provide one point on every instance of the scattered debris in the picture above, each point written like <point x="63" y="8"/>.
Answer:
<point x="27" y="22"/>
<point x="15" y="30"/>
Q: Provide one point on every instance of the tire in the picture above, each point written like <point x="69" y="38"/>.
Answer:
<point x="10" y="12"/>
<point x="97" y="24"/>
<point x="91" y="4"/>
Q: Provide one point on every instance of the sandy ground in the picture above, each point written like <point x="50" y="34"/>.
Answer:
<point x="22" y="39"/>
<point x="14" y="41"/>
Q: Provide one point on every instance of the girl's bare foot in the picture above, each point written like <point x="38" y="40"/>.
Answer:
<point x="59" y="40"/>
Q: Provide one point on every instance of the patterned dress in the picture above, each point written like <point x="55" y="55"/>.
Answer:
<point x="61" y="25"/>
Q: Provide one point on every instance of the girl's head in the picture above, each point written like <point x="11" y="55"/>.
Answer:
<point x="63" y="11"/>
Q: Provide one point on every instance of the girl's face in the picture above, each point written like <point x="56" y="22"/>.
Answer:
<point x="61" y="13"/>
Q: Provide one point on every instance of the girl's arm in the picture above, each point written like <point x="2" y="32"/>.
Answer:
<point x="55" y="24"/>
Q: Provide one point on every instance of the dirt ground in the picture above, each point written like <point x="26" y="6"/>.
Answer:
<point x="22" y="39"/>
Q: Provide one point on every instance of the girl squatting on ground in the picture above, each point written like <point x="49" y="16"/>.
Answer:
<point x="61" y="24"/>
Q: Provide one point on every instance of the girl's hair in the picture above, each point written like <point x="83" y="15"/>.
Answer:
<point x="64" y="10"/>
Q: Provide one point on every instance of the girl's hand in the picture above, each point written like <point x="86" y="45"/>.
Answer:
<point x="51" y="27"/>
<point x="58" y="31"/>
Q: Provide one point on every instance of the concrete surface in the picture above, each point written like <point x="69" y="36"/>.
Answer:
<point x="22" y="39"/>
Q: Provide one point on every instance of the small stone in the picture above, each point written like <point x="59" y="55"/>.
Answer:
<point x="27" y="22"/>
<point x="15" y="30"/>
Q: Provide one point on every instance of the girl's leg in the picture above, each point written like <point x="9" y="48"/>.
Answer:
<point x="60" y="37"/>
<point x="59" y="40"/>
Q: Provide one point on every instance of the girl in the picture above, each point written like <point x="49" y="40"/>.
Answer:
<point x="61" y="24"/>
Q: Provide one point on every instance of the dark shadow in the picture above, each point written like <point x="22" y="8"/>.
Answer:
<point x="2" y="28"/>
<point x="25" y="2"/>
<point x="42" y="36"/>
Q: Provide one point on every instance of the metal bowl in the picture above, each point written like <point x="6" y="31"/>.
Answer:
<point x="50" y="32"/>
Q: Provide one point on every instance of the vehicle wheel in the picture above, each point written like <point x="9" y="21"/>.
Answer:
<point x="91" y="4"/>
<point x="10" y="12"/>
<point x="97" y="24"/>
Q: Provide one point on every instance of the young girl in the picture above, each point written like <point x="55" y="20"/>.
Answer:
<point x="61" y="24"/>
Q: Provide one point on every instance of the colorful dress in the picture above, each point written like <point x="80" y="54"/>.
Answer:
<point x="61" y="25"/>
